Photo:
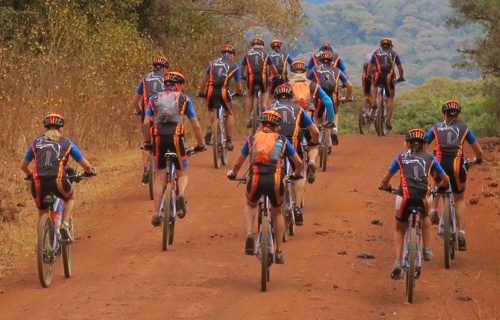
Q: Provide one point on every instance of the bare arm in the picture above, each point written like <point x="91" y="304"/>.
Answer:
<point x="477" y="150"/>
<point x="238" y="162"/>
<point x="24" y="167"/>
<point x="369" y="71"/>
<point x="385" y="180"/>
<point x="86" y="166"/>
<point x="135" y="102"/>
<point x="313" y="130"/>
<point x="147" y="128"/>
<point x="401" y="71"/>
<point x="348" y="86"/>
<point x="203" y="84"/>
<point x="298" y="164"/>
<point x="197" y="131"/>
<point x="239" y="87"/>
<point x="445" y="180"/>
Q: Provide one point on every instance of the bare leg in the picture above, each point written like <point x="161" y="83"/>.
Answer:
<point x="279" y="226"/>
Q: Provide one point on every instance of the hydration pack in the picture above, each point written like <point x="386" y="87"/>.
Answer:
<point x="267" y="148"/>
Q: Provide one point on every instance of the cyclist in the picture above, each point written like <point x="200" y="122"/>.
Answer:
<point x="381" y="67"/>
<point x="218" y="74"/>
<point x="257" y="62"/>
<point x="149" y="85"/>
<point x="366" y="80"/>
<point x="415" y="166"/>
<point x="51" y="152"/>
<point x="281" y="60"/>
<point x="450" y="135"/>
<point x="294" y="119"/>
<point x="307" y="99"/>
<point x="328" y="76"/>
<point x="168" y="109"/>
<point x="266" y="148"/>
<point x="336" y="60"/>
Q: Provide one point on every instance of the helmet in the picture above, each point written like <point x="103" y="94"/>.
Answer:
<point x="298" y="66"/>
<point x="283" y="91"/>
<point x="451" y="107"/>
<point x="326" y="56"/>
<point x="160" y="61"/>
<point x="175" y="77"/>
<point x="416" y="135"/>
<point x="270" y="117"/>
<point x="227" y="48"/>
<point x="53" y="120"/>
<point x="326" y="47"/>
<point x="386" y="42"/>
<point x="276" y="43"/>
<point x="257" y="41"/>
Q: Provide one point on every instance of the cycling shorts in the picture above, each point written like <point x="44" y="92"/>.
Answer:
<point x="455" y="169"/>
<point x="402" y="204"/>
<point x="40" y="187"/>
<point x="217" y="96"/>
<point x="265" y="183"/>
<point x="256" y="80"/>
<point x="169" y="143"/>
<point x="385" y="80"/>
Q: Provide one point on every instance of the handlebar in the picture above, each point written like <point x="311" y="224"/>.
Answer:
<point x="72" y="175"/>
<point x="470" y="163"/>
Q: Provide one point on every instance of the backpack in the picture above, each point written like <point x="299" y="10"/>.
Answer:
<point x="167" y="108"/>
<point x="267" y="148"/>
<point x="386" y="59"/>
<point x="302" y="93"/>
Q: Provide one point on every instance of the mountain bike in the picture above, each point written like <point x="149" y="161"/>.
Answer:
<point x="50" y="245"/>
<point x="412" y="248"/>
<point x="168" y="210"/>
<point x="448" y="222"/>
<point x="380" y="122"/>
<point x="288" y="204"/>
<point x="367" y="116"/>
<point x="256" y="108"/>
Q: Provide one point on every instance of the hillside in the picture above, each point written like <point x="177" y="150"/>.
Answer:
<point x="426" y="47"/>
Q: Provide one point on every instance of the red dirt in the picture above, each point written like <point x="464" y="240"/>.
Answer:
<point x="119" y="270"/>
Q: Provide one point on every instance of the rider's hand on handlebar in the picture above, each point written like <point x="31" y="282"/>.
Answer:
<point x="330" y="125"/>
<point x="200" y="149"/>
<point x="200" y="94"/>
<point x="137" y="113"/>
<point x="381" y="187"/>
<point x="477" y="161"/>
<point x="146" y="145"/>
<point x="236" y="94"/>
<point x="93" y="172"/>
<point x="29" y="177"/>
<point x="230" y="175"/>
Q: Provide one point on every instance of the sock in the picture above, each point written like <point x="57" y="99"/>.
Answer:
<point x="427" y="250"/>
<point x="462" y="232"/>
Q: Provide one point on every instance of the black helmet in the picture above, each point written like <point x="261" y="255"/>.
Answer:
<point x="416" y="135"/>
<point x="326" y="47"/>
<point x="257" y="41"/>
<point x="276" y="44"/>
<point x="326" y="56"/>
<point x="228" y="49"/>
<point x="298" y="66"/>
<point x="160" y="61"/>
<point x="386" y="42"/>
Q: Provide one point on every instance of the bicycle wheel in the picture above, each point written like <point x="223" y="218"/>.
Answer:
<point x="45" y="251"/>
<point x="380" y="118"/>
<point x="216" y="145"/>
<point x="255" y="110"/>
<point x="222" y="145"/>
<point x="324" y="150"/>
<point x="448" y="241"/>
<point x="167" y="215"/>
<point x="151" y="175"/>
<point x="66" y="253"/>
<point x="364" y="119"/>
<point x="412" y="268"/>
<point x="264" y="251"/>
<point x="287" y="212"/>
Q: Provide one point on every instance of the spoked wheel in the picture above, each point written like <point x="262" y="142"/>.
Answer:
<point x="381" y="113"/>
<point x="265" y="254"/>
<point x="447" y="237"/>
<point x="255" y="115"/>
<point x="364" y="119"/>
<point x="167" y="216"/>
<point x="287" y="212"/>
<point x="222" y="148"/>
<point x="46" y="255"/>
<point x="66" y="252"/>
<point x="151" y="175"/>
<point x="216" y="145"/>
<point x="323" y="157"/>
<point x="412" y="268"/>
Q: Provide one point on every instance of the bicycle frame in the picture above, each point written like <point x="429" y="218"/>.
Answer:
<point x="264" y="248"/>
<point x="448" y="227"/>
<point x="412" y="252"/>
<point x="168" y="212"/>
<point x="220" y="152"/>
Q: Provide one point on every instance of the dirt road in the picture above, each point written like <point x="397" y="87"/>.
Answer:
<point x="120" y="272"/>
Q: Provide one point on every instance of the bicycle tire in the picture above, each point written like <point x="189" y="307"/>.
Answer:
<point x="380" y="117"/>
<point x="216" y="146"/>
<point x="66" y="253"/>
<point x="287" y="212"/>
<point x="324" y="150"/>
<point x="255" y="110"/>
<point x="264" y="251"/>
<point x="364" y="120"/>
<point x="151" y="176"/>
<point x="448" y="241"/>
<point x="167" y="214"/>
<point x="412" y="265"/>
<point x="222" y="148"/>
<point x="45" y="254"/>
